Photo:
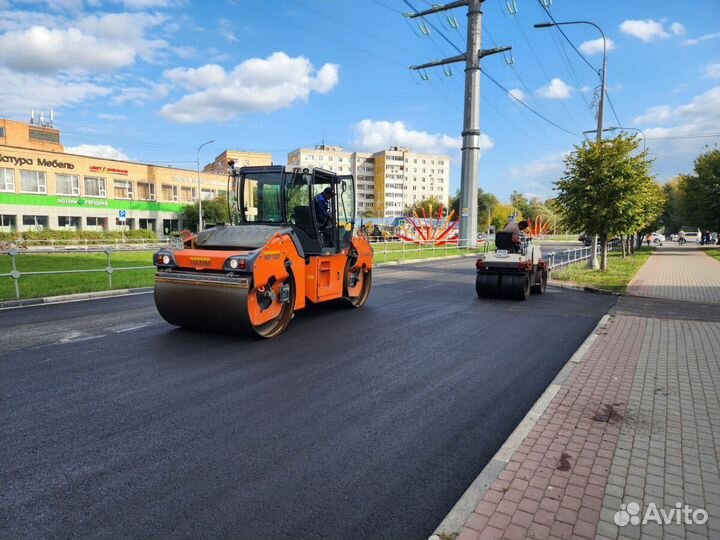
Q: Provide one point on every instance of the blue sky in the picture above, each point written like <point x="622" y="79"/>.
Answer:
<point x="151" y="80"/>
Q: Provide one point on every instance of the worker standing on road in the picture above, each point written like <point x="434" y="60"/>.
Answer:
<point x="681" y="237"/>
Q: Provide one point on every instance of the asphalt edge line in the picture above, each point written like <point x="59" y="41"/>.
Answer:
<point x="458" y="515"/>
<point x="67" y="298"/>
<point x="79" y="297"/>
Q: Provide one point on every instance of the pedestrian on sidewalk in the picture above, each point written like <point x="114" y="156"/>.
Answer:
<point x="648" y="238"/>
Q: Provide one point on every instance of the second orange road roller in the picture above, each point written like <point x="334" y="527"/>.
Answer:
<point x="291" y="242"/>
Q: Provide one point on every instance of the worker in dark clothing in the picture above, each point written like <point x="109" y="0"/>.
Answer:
<point x="323" y="213"/>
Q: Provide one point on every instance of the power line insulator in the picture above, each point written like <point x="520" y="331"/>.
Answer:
<point x="453" y="22"/>
<point x="546" y="3"/>
<point x="447" y="71"/>
<point x="511" y="6"/>
<point x="509" y="58"/>
<point x="423" y="75"/>
<point x="424" y="30"/>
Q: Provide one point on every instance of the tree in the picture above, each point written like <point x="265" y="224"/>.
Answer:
<point x="215" y="211"/>
<point x="673" y="216"/>
<point x="701" y="192"/>
<point x="430" y="207"/>
<point x="486" y="203"/>
<point x="607" y="190"/>
<point x="501" y="213"/>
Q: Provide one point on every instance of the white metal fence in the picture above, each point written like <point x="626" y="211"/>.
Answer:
<point x="560" y="259"/>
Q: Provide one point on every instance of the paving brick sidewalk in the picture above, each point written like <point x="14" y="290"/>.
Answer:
<point x="679" y="273"/>
<point x="636" y="421"/>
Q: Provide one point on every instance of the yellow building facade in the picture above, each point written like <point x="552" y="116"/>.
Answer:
<point x="42" y="187"/>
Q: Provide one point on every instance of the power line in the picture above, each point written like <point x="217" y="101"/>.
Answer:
<point x="521" y="102"/>
<point x="701" y="136"/>
<point x="619" y="123"/>
<point x="581" y="55"/>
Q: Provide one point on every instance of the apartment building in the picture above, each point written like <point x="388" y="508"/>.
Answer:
<point x="387" y="181"/>
<point x="43" y="187"/>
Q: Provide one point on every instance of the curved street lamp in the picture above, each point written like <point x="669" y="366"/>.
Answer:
<point x="601" y="106"/>
<point x="200" y="216"/>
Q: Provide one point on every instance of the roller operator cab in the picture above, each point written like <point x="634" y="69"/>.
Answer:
<point x="288" y="245"/>
<point x="512" y="271"/>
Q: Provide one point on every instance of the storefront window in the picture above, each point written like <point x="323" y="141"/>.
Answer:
<point x="33" y="182"/>
<point x="67" y="184"/>
<point x="169" y="192"/>
<point x="7" y="180"/>
<point x="37" y="222"/>
<point x="69" y="222"/>
<point x="187" y="194"/>
<point x="146" y="191"/>
<point x="123" y="189"/>
<point x="95" y="186"/>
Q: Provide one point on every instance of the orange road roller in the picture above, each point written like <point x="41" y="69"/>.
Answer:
<point x="291" y="242"/>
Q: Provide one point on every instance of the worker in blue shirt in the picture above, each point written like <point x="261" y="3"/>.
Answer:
<point x="323" y="207"/>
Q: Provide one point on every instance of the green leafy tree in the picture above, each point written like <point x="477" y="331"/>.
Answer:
<point x="431" y="207"/>
<point x="701" y="192"/>
<point x="215" y="211"/>
<point x="607" y="190"/>
<point x="486" y="203"/>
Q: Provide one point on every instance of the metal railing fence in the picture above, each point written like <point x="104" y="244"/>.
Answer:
<point x="560" y="259"/>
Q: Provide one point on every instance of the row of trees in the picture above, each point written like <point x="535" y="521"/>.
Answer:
<point x="694" y="200"/>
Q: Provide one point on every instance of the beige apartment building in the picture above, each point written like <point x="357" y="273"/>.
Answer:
<point x="387" y="181"/>
<point x="43" y="187"/>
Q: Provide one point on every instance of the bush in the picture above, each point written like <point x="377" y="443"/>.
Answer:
<point x="76" y="235"/>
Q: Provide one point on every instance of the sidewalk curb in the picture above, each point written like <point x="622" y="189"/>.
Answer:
<point x="574" y="287"/>
<point x="27" y="302"/>
<point x="10" y="304"/>
<point x="467" y="503"/>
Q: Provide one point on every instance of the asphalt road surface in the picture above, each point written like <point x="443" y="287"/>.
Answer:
<point x="354" y="424"/>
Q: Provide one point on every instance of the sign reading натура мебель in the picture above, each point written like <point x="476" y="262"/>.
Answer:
<point x="20" y="161"/>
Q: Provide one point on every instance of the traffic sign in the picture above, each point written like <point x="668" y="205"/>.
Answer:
<point x="123" y="215"/>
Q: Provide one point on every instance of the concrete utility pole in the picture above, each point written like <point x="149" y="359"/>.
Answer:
<point x="471" y="122"/>
<point x="200" y="216"/>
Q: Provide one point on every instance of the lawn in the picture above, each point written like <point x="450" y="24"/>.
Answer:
<point x="57" y="284"/>
<point x="617" y="277"/>
<point x="39" y="286"/>
<point x="714" y="253"/>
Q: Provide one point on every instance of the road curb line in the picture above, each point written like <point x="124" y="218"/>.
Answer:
<point x="467" y="503"/>
<point x="573" y="287"/>
<point x="78" y="297"/>
<point x="28" y="302"/>
<point x="428" y="259"/>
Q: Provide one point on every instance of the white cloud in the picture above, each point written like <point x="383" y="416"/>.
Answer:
<point x="197" y="78"/>
<point x="255" y="85"/>
<point x="547" y="168"/>
<point x="517" y="94"/>
<point x="111" y="117"/>
<point x="145" y="4"/>
<point x="372" y="135"/>
<point x="20" y="92"/>
<point x="706" y="37"/>
<point x="658" y="114"/>
<point x="711" y="71"/>
<point x="40" y="50"/>
<point x="140" y="94"/>
<point x="595" y="46"/>
<point x="98" y="150"/>
<point x="649" y="30"/>
<point x="557" y="89"/>
<point x="698" y="117"/>
<point x="677" y="29"/>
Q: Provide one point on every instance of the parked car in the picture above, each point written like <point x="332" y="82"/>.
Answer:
<point x="585" y="239"/>
<point x="692" y="236"/>
<point x="674" y="237"/>
<point x="658" y="238"/>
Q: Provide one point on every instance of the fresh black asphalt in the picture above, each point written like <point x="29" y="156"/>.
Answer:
<point x="354" y="424"/>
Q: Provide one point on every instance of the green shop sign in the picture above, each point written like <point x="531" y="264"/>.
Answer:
<point x="100" y="204"/>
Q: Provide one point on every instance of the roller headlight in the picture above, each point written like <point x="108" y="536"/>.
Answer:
<point x="234" y="264"/>
<point x="166" y="259"/>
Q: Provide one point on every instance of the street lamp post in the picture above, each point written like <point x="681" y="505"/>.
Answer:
<point x="601" y="107"/>
<point x="200" y="216"/>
